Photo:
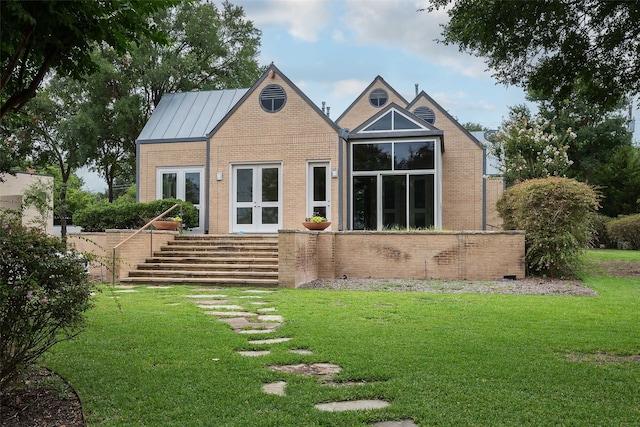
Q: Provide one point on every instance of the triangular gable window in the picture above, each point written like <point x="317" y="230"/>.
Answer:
<point x="392" y="121"/>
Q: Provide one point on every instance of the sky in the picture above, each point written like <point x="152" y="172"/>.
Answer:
<point x="333" y="49"/>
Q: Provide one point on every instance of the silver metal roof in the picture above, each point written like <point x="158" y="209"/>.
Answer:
<point x="189" y="115"/>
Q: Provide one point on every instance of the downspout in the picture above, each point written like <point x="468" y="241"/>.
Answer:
<point x="484" y="189"/>
<point x="344" y="135"/>
<point x="137" y="171"/>
<point x="207" y="186"/>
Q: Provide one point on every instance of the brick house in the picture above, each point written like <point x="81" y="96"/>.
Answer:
<point x="262" y="159"/>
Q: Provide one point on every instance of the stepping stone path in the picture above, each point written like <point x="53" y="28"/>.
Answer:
<point x="237" y="313"/>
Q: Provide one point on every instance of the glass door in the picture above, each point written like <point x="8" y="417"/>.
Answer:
<point x="319" y="190"/>
<point x="256" y="204"/>
<point x="183" y="184"/>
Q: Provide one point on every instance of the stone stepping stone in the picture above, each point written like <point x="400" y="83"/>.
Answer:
<point x="212" y="301"/>
<point x="210" y="296"/>
<point x="267" y="309"/>
<point x="250" y="296"/>
<point x="352" y="405"/>
<point x="276" y="388"/>
<point x="301" y="351"/>
<point x="254" y="331"/>
<point x="159" y="287"/>
<point x="230" y="313"/>
<point x="126" y="291"/>
<point x="254" y="353"/>
<point x="270" y="341"/>
<point x="400" y="423"/>
<point x="271" y="318"/>
<point x="222" y="306"/>
<point x="259" y="303"/>
<point x="243" y="323"/>
<point x="319" y="369"/>
<point x="258" y="291"/>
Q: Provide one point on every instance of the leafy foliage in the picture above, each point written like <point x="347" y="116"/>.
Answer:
<point x="50" y="34"/>
<point x="555" y="214"/>
<point x="554" y="48"/>
<point x="626" y="230"/>
<point x="529" y="147"/>
<point x="43" y="295"/>
<point x="619" y="181"/>
<point x="126" y="215"/>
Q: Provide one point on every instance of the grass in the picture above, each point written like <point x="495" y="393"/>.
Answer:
<point x="155" y="359"/>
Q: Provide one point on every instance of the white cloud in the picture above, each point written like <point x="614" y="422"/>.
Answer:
<point x="338" y="36"/>
<point x="304" y="20"/>
<point x="347" y="89"/>
<point x="398" y="24"/>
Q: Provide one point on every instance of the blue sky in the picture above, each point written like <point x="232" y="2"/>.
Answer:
<point x="333" y="49"/>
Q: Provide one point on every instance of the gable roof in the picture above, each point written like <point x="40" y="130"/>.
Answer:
<point x="447" y="115"/>
<point x="273" y="69"/>
<point x="189" y="116"/>
<point x="366" y="90"/>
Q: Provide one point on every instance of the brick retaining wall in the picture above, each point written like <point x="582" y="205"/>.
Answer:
<point x="472" y="255"/>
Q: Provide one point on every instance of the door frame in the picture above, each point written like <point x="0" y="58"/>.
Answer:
<point x="180" y="172"/>
<point x="255" y="227"/>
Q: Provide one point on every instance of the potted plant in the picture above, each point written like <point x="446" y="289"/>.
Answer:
<point x="316" y="222"/>
<point x="170" y="223"/>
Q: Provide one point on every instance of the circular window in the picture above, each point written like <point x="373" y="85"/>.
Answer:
<point x="273" y="98"/>
<point x="378" y="97"/>
<point x="426" y="114"/>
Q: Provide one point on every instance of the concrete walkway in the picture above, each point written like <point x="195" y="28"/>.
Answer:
<point x="245" y="314"/>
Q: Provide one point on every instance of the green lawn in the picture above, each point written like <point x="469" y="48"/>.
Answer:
<point x="154" y="359"/>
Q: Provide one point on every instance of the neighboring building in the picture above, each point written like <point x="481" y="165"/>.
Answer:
<point x="264" y="158"/>
<point x="12" y="189"/>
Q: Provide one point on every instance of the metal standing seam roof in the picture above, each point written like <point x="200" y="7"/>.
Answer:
<point x="188" y="116"/>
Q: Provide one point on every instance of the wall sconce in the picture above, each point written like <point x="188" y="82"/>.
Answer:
<point x="334" y="173"/>
<point x="218" y="176"/>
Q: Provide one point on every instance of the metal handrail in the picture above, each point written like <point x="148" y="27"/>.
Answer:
<point x="144" y="227"/>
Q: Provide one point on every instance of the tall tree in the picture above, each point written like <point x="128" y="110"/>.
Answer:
<point x="530" y="147"/>
<point x="60" y="134"/>
<point x="554" y="48"/>
<point x="38" y="36"/>
<point x="209" y="48"/>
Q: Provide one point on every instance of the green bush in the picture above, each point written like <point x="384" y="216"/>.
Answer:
<point x="126" y="215"/>
<point x="601" y="238"/>
<point x="44" y="293"/>
<point x="555" y="214"/>
<point x="626" y="230"/>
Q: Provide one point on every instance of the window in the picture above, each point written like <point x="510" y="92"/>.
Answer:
<point x="378" y="97"/>
<point x="273" y="98"/>
<point x="392" y="121"/>
<point x="387" y="156"/>
<point x="426" y="114"/>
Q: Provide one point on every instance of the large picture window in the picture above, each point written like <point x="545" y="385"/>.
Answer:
<point x="394" y="185"/>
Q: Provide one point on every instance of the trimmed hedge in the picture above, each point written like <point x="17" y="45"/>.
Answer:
<point x="555" y="213"/>
<point x="626" y="230"/>
<point x="106" y="216"/>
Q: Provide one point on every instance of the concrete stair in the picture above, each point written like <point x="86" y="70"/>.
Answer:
<point x="212" y="260"/>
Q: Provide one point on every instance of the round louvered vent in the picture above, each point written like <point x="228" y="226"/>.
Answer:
<point x="378" y="97"/>
<point x="273" y="98"/>
<point x="426" y="114"/>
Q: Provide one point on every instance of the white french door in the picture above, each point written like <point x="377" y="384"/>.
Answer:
<point x="183" y="183"/>
<point x="256" y="205"/>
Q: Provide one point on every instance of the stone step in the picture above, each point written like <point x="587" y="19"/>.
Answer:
<point x="221" y="242"/>
<point x="232" y="248"/>
<point x="215" y="253"/>
<point x="208" y="267"/>
<point x="198" y="273"/>
<point x="202" y="259"/>
<point x="204" y="281"/>
<point x="235" y="237"/>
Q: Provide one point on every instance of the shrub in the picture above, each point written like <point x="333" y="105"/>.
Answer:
<point x="132" y="215"/>
<point x="555" y="214"/>
<point x="44" y="293"/>
<point x="626" y="230"/>
<point x="601" y="238"/>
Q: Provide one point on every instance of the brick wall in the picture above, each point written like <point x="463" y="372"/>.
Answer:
<point x="495" y="188"/>
<point x="128" y="255"/>
<point x="305" y="256"/>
